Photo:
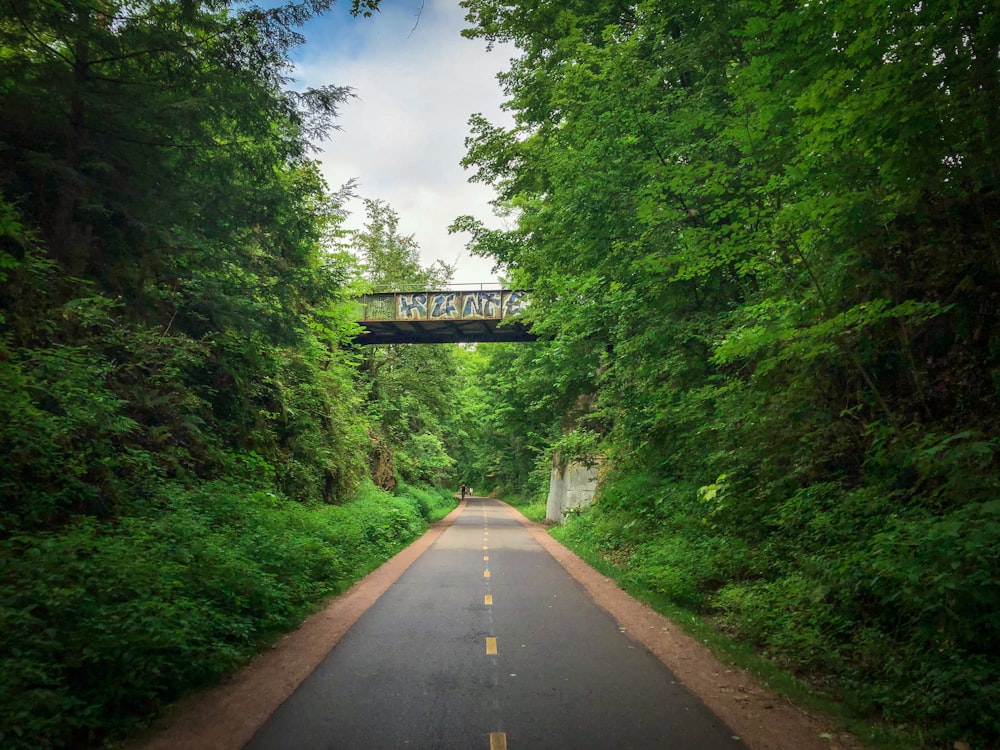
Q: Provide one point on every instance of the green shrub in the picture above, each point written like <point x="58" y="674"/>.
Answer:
<point x="423" y="458"/>
<point x="533" y="507"/>
<point x="937" y="581"/>
<point x="433" y="503"/>
<point x="102" y="623"/>
<point x="788" y="617"/>
<point x="680" y="566"/>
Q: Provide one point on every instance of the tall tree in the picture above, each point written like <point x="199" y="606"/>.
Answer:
<point x="169" y="248"/>
<point x="173" y="356"/>
<point x="410" y="390"/>
<point x="777" y="225"/>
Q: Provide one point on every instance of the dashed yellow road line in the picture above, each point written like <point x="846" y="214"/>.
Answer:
<point x="485" y="547"/>
<point x="486" y="557"/>
<point x="498" y="741"/>
<point x="486" y="574"/>
<point x="488" y="600"/>
<point x="491" y="646"/>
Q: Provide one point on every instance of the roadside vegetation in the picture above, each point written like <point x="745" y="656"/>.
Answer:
<point x="105" y="622"/>
<point x="193" y="456"/>
<point x="762" y="240"/>
<point x="533" y="507"/>
<point x="762" y="244"/>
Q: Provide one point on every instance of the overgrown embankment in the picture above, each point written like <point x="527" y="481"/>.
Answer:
<point x="185" y="434"/>
<point x="762" y="244"/>
<point x="104" y="623"/>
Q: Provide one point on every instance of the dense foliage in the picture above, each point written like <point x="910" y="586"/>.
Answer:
<point x="185" y="435"/>
<point x="104" y="624"/>
<point x="168" y="312"/>
<point x="410" y="392"/>
<point x="763" y="240"/>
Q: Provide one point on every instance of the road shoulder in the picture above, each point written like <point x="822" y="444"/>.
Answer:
<point x="227" y="716"/>
<point x="763" y="719"/>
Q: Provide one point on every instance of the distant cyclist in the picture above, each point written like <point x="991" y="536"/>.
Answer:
<point x="464" y="491"/>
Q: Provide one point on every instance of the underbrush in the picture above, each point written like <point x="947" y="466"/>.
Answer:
<point x="103" y="623"/>
<point x="434" y="503"/>
<point x="532" y="506"/>
<point x="882" y="624"/>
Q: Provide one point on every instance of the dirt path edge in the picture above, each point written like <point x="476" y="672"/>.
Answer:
<point x="227" y="716"/>
<point x="761" y="718"/>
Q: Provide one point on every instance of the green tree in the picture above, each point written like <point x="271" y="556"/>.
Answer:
<point x="179" y="403"/>
<point x="390" y="259"/>
<point x="171" y="255"/>
<point x="769" y="228"/>
<point x="410" y="390"/>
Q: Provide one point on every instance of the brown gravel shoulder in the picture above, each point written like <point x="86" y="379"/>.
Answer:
<point x="227" y="716"/>
<point x="763" y="719"/>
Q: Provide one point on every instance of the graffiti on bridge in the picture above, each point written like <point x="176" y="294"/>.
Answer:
<point x="445" y="305"/>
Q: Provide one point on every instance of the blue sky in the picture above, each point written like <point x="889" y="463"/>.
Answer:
<point x="417" y="81"/>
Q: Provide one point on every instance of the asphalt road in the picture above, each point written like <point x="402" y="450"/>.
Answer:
<point x="486" y="642"/>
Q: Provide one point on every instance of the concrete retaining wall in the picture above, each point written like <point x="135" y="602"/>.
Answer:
<point x="570" y="486"/>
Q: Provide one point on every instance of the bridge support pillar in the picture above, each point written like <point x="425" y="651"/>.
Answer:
<point x="571" y="485"/>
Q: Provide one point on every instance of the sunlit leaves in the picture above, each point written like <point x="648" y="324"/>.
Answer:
<point x="779" y="220"/>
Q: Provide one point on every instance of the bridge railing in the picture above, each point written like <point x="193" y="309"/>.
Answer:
<point x="478" y="286"/>
<point x="448" y="304"/>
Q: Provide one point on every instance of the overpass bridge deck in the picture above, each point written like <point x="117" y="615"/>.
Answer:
<point x="443" y="317"/>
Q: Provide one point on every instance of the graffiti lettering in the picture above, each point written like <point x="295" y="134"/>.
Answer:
<point x="482" y="305"/>
<point x="470" y="306"/>
<point x="490" y="304"/>
<point x="413" y="306"/>
<point x="516" y="302"/>
<point x="444" y="306"/>
<point x="436" y="316"/>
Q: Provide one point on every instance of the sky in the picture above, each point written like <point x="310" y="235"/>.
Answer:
<point x="416" y="82"/>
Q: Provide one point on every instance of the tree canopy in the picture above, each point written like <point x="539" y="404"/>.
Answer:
<point x="767" y="234"/>
<point x="185" y="439"/>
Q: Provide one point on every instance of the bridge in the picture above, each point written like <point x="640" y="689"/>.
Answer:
<point x="443" y="317"/>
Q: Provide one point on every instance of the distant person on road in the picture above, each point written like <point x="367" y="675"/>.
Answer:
<point x="464" y="490"/>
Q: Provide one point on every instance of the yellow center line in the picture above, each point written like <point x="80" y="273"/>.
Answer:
<point x="488" y="600"/>
<point x="498" y="741"/>
<point x="491" y="646"/>
<point x="485" y="547"/>
<point x="486" y="574"/>
<point x="486" y="557"/>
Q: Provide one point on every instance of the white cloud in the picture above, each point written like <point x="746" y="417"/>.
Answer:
<point x="403" y="136"/>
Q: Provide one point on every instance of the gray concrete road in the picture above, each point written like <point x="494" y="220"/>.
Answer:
<point x="486" y="642"/>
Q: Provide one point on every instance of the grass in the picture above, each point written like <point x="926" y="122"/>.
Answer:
<point x="108" y="622"/>
<point x="874" y="735"/>
<point x="434" y="503"/>
<point x="531" y="506"/>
